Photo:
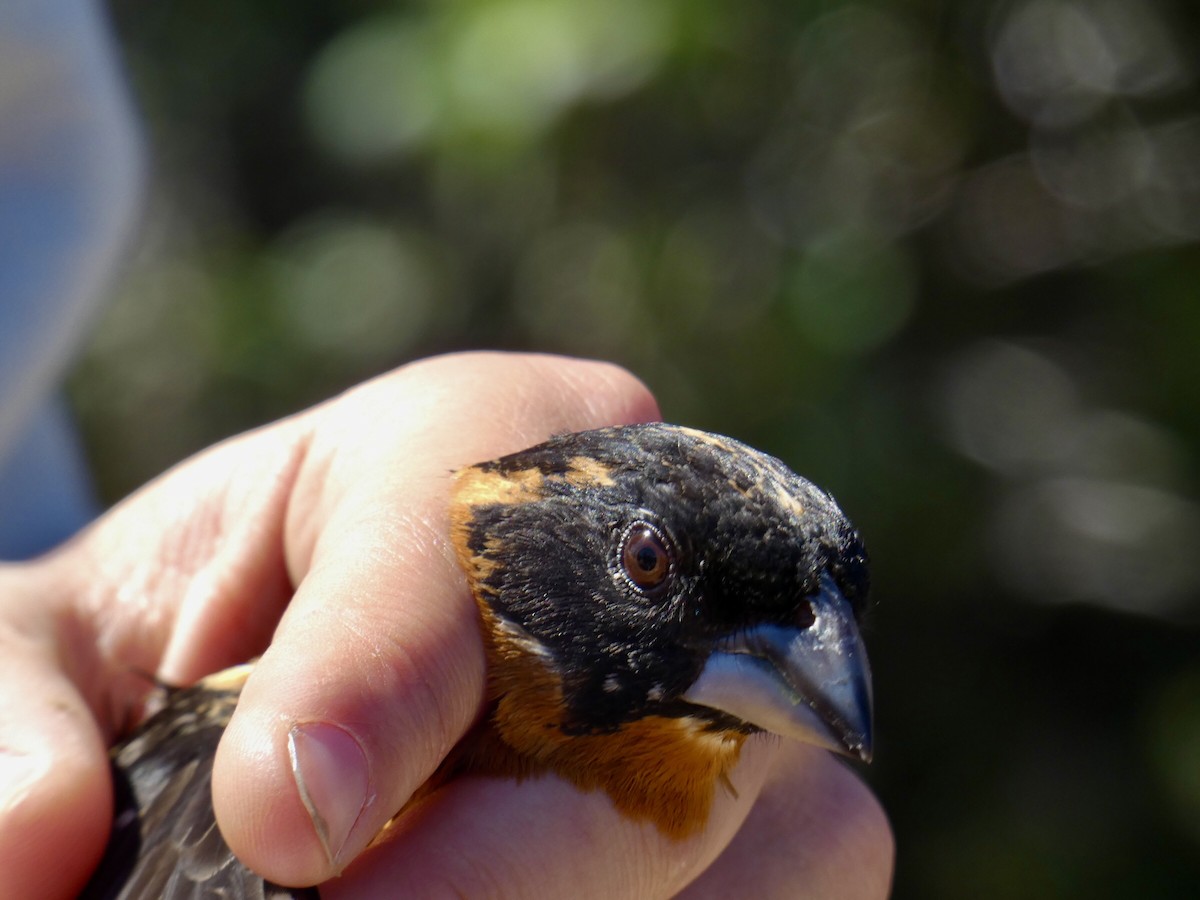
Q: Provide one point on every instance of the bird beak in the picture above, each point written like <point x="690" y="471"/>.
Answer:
<point x="809" y="683"/>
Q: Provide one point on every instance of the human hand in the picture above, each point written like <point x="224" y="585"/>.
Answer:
<point x="342" y="511"/>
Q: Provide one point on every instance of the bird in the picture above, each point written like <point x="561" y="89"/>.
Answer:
<point x="649" y="597"/>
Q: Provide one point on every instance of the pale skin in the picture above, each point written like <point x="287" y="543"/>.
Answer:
<point x="320" y="542"/>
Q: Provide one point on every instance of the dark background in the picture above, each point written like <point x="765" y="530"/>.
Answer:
<point x="939" y="256"/>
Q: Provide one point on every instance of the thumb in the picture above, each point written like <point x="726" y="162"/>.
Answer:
<point x="377" y="667"/>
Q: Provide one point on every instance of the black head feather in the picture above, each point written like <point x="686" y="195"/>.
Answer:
<point x="747" y="542"/>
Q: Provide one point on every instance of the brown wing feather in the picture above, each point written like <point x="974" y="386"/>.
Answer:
<point x="165" y="842"/>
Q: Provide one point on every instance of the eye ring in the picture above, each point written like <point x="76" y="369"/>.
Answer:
<point x="646" y="558"/>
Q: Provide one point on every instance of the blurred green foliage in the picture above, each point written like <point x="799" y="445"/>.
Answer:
<point x="939" y="256"/>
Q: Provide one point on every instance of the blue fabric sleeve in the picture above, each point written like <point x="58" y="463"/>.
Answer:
<point x="70" y="184"/>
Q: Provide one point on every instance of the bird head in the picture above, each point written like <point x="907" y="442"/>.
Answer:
<point x="658" y="572"/>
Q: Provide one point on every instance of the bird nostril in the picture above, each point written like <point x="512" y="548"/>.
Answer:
<point x="805" y="616"/>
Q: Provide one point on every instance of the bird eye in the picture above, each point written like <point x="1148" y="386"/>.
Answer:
<point x="645" y="558"/>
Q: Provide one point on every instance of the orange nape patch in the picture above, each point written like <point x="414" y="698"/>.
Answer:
<point x="586" y="471"/>
<point x="661" y="769"/>
<point x="479" y="486"/>
<point x="476" y="486"/>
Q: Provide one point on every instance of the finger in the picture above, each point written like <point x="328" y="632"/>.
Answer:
<point x="55" y="799"/>
<point x="187" y="576"/>
<point x="377" y="667"/>
<point x="486" y="837"/>
<point x="190" y="560"/>
<point x="182" y="578"/>
<point x="815" y="832"/>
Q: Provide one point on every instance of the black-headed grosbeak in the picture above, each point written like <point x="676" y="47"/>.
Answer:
<point x="650" y="596"/>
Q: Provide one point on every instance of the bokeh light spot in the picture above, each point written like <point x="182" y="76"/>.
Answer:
<point x="1174" y="745"/>
<point x="850" y="295"/>
<point x="577" y="286"/>
<point x="514" y="65"/>
<point x="1056" y="62"/>
<point x="1010" y="408"/>
<point x="352" y="287"/>
<point x="373" y="91"/>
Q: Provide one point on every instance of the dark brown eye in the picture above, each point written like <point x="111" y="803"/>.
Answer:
<point x="645" y="558"/>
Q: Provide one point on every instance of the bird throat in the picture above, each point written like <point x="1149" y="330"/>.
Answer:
<point x="656" y="768"/>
